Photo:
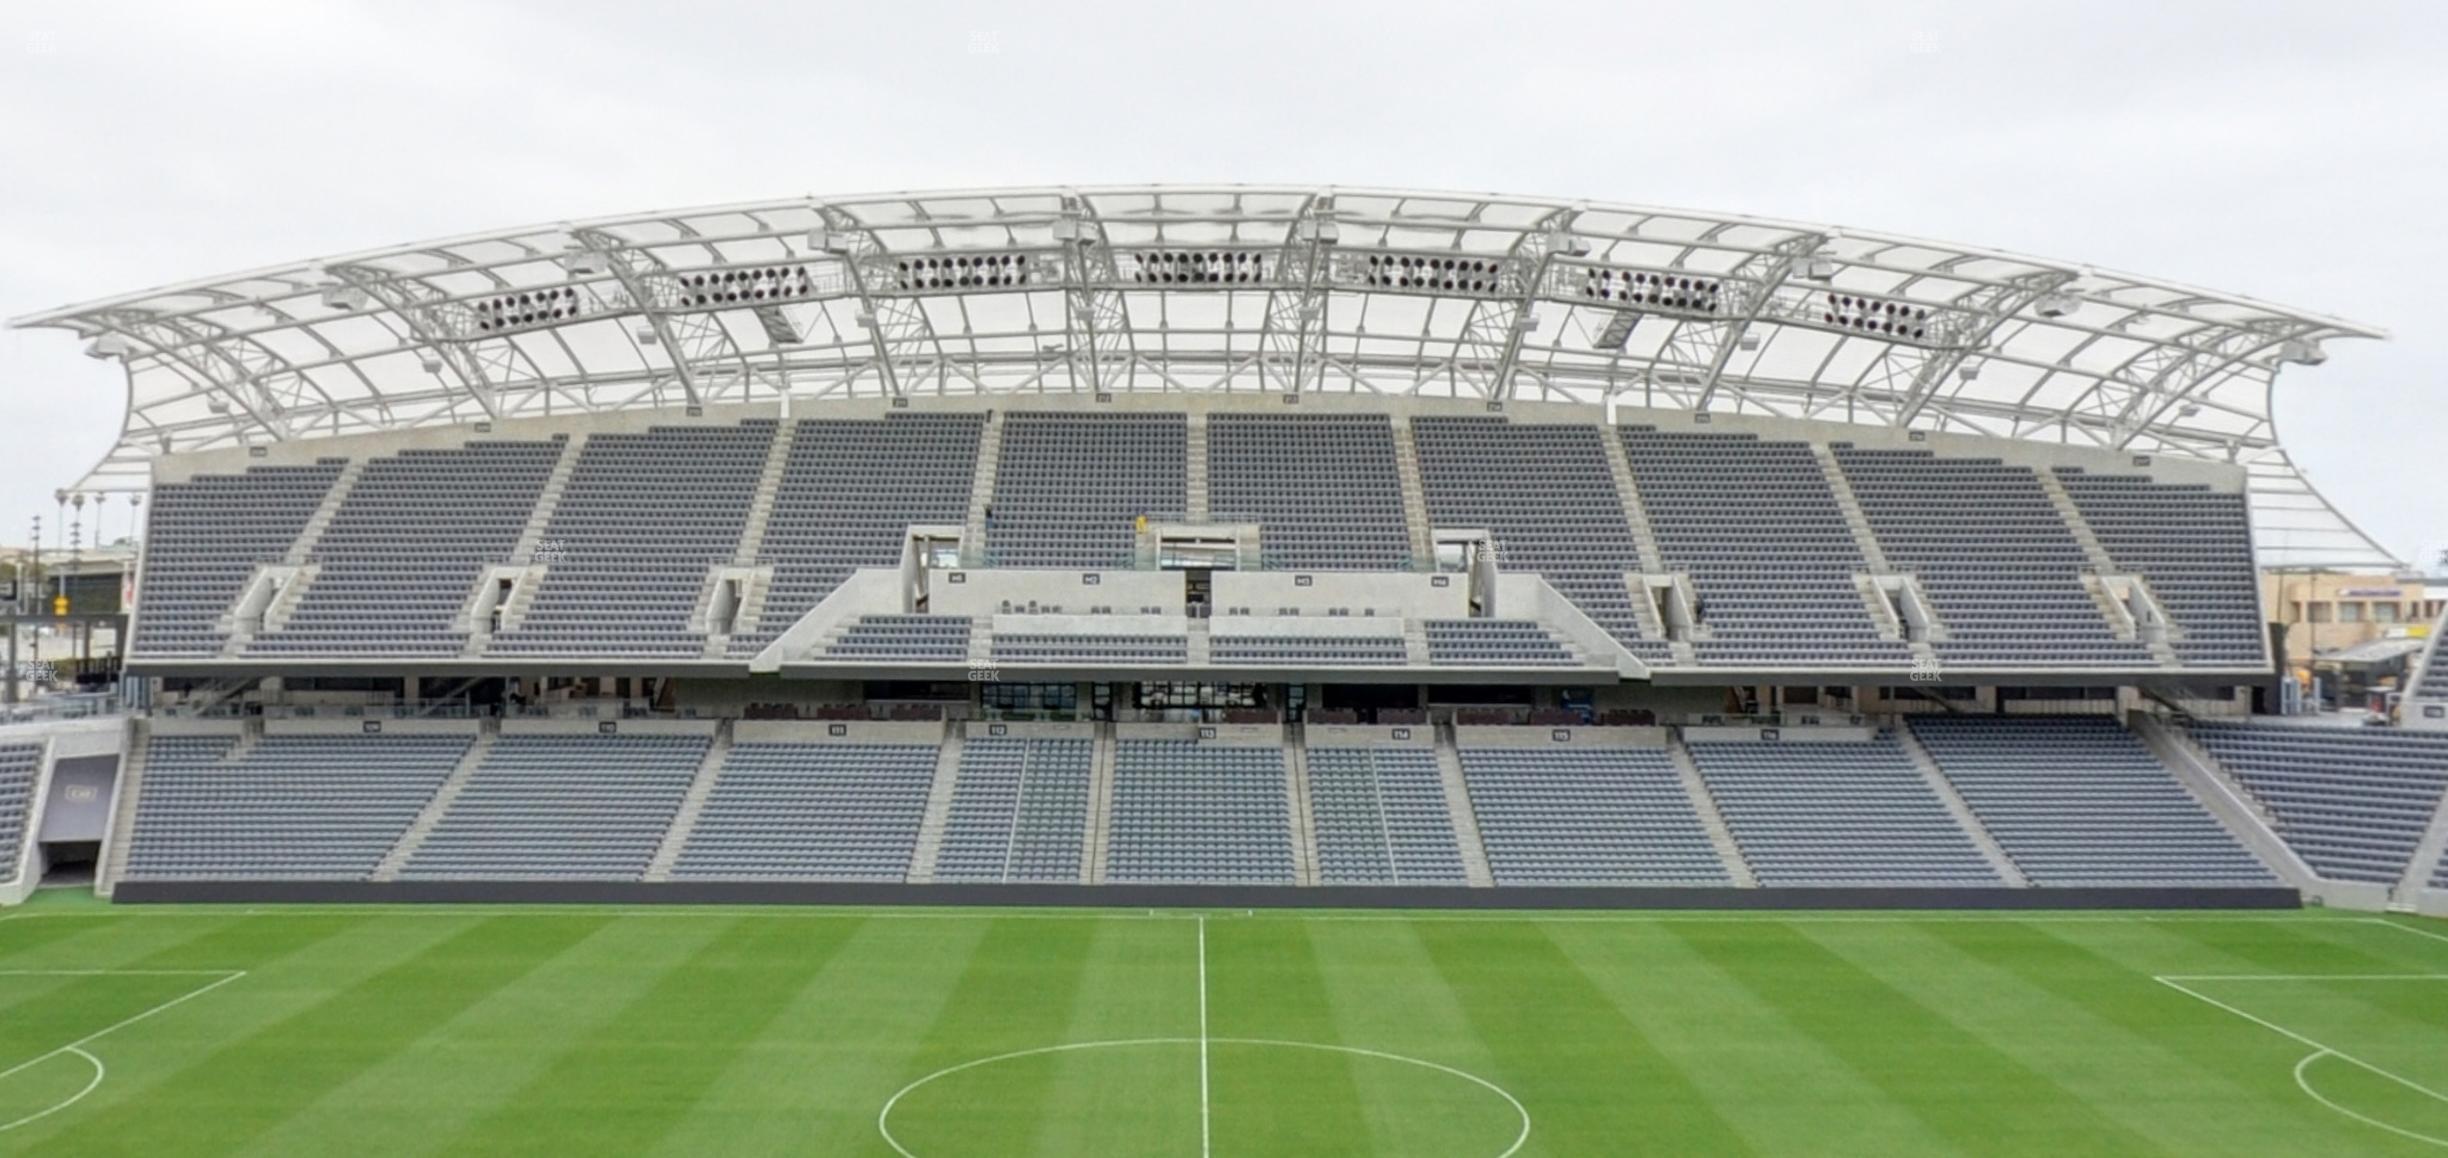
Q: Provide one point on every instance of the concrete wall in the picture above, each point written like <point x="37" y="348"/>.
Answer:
<point x="586" y="727"/>
<point x="1532" y="736"/>
<point x="1370" y="736"/>
<point x="927" y="733"/>
<point x="1226" y="735"/>
<point x="963" y="591"/>
<point x="1400" y="594"/>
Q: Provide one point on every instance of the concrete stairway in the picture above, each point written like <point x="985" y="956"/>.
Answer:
<point x="2093" y="552"/>
<point x="692" y="806"/>
<point x="1864" y="539"/>
<point x="1628" y="490"/>
<point x="431" y="815"/>
<point x="1194" y="471"/>
<point x="1705" y="805"/>
<point x="1304" y="818"/>
<point x="1458" y="806"/>
<point x="1961" y="810"/>
<point x="939" y="803"/>
<point x="769" y="485"/>
<point x="547" y="501"/>
<point x="981" y="491"/>
<point x="311" y="536"/>
<point x="122" y="826"/>
<point x="1100" y="805"/>
<point x="1414" y="496"/>
<point x="1198" y="647"/>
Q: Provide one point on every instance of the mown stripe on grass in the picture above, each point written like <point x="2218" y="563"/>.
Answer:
<point x="620" y="1088"/>
<point x="1954" y="1081"/>
<point x="223" y="1099"/>
<point x="1596" y="1080"/>
<point x="1786" y="1092"/>
<point x="2109" y="1033"/>
<point x="461" y="1070"/>
<point x="1142" y="981"/>
<point x="1265" y="981"/>
<point x="813" y="1081"/>
<point x="1020" y="989"/>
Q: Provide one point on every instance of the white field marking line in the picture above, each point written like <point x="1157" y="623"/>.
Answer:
<point x="2305" y="1084"/>
<point x="1206" y="1131"/>
<point x="99" y="1072"/>
<point x="1520" y="1139"/>
<point x="2403" y="927"/>
<point x="2303" y="977"/>
<point x="2320" y="1051"/>
<point x="78" y="1046"/>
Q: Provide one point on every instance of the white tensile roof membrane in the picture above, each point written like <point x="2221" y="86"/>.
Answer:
<point x="1248" y="288"/>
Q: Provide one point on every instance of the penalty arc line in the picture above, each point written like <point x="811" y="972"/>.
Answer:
<point x="2320" y="1051"/>
<point x="77" y="1047"/>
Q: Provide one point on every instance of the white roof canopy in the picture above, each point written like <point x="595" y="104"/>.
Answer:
<point x="1159" y="288"/>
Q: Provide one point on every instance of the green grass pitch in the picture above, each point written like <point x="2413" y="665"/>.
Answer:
<point x="395" y="1031"/>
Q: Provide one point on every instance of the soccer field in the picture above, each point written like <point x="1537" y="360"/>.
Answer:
<point x="962" y="1034"/>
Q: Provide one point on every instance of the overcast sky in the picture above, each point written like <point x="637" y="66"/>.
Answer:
<point x="2292" y="152"/>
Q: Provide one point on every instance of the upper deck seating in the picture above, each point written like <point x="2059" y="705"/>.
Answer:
<point x="205" y="537"/>
<point x="403" y="551"/>
<point x="1323" y="488"/>
<point x="1756" y="526"/>
<point x="1995" y="557"/>
<point x="1070" y="486"/>
<point x="642" y="524"/>
<point x="851" y="488"/>
<point x="2194" y="546"/>
<point x="1547" y="496"/>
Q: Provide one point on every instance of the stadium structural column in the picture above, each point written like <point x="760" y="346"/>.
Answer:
<point x="1960" y="809"/>
<point x="2223" y="798"/>
<point x="1458" y="807"/>
<point x="939" y="802"/>
<point x="447" y="794"/>
<point x="1704" y="805"/>
<point x="692" y="806"/>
